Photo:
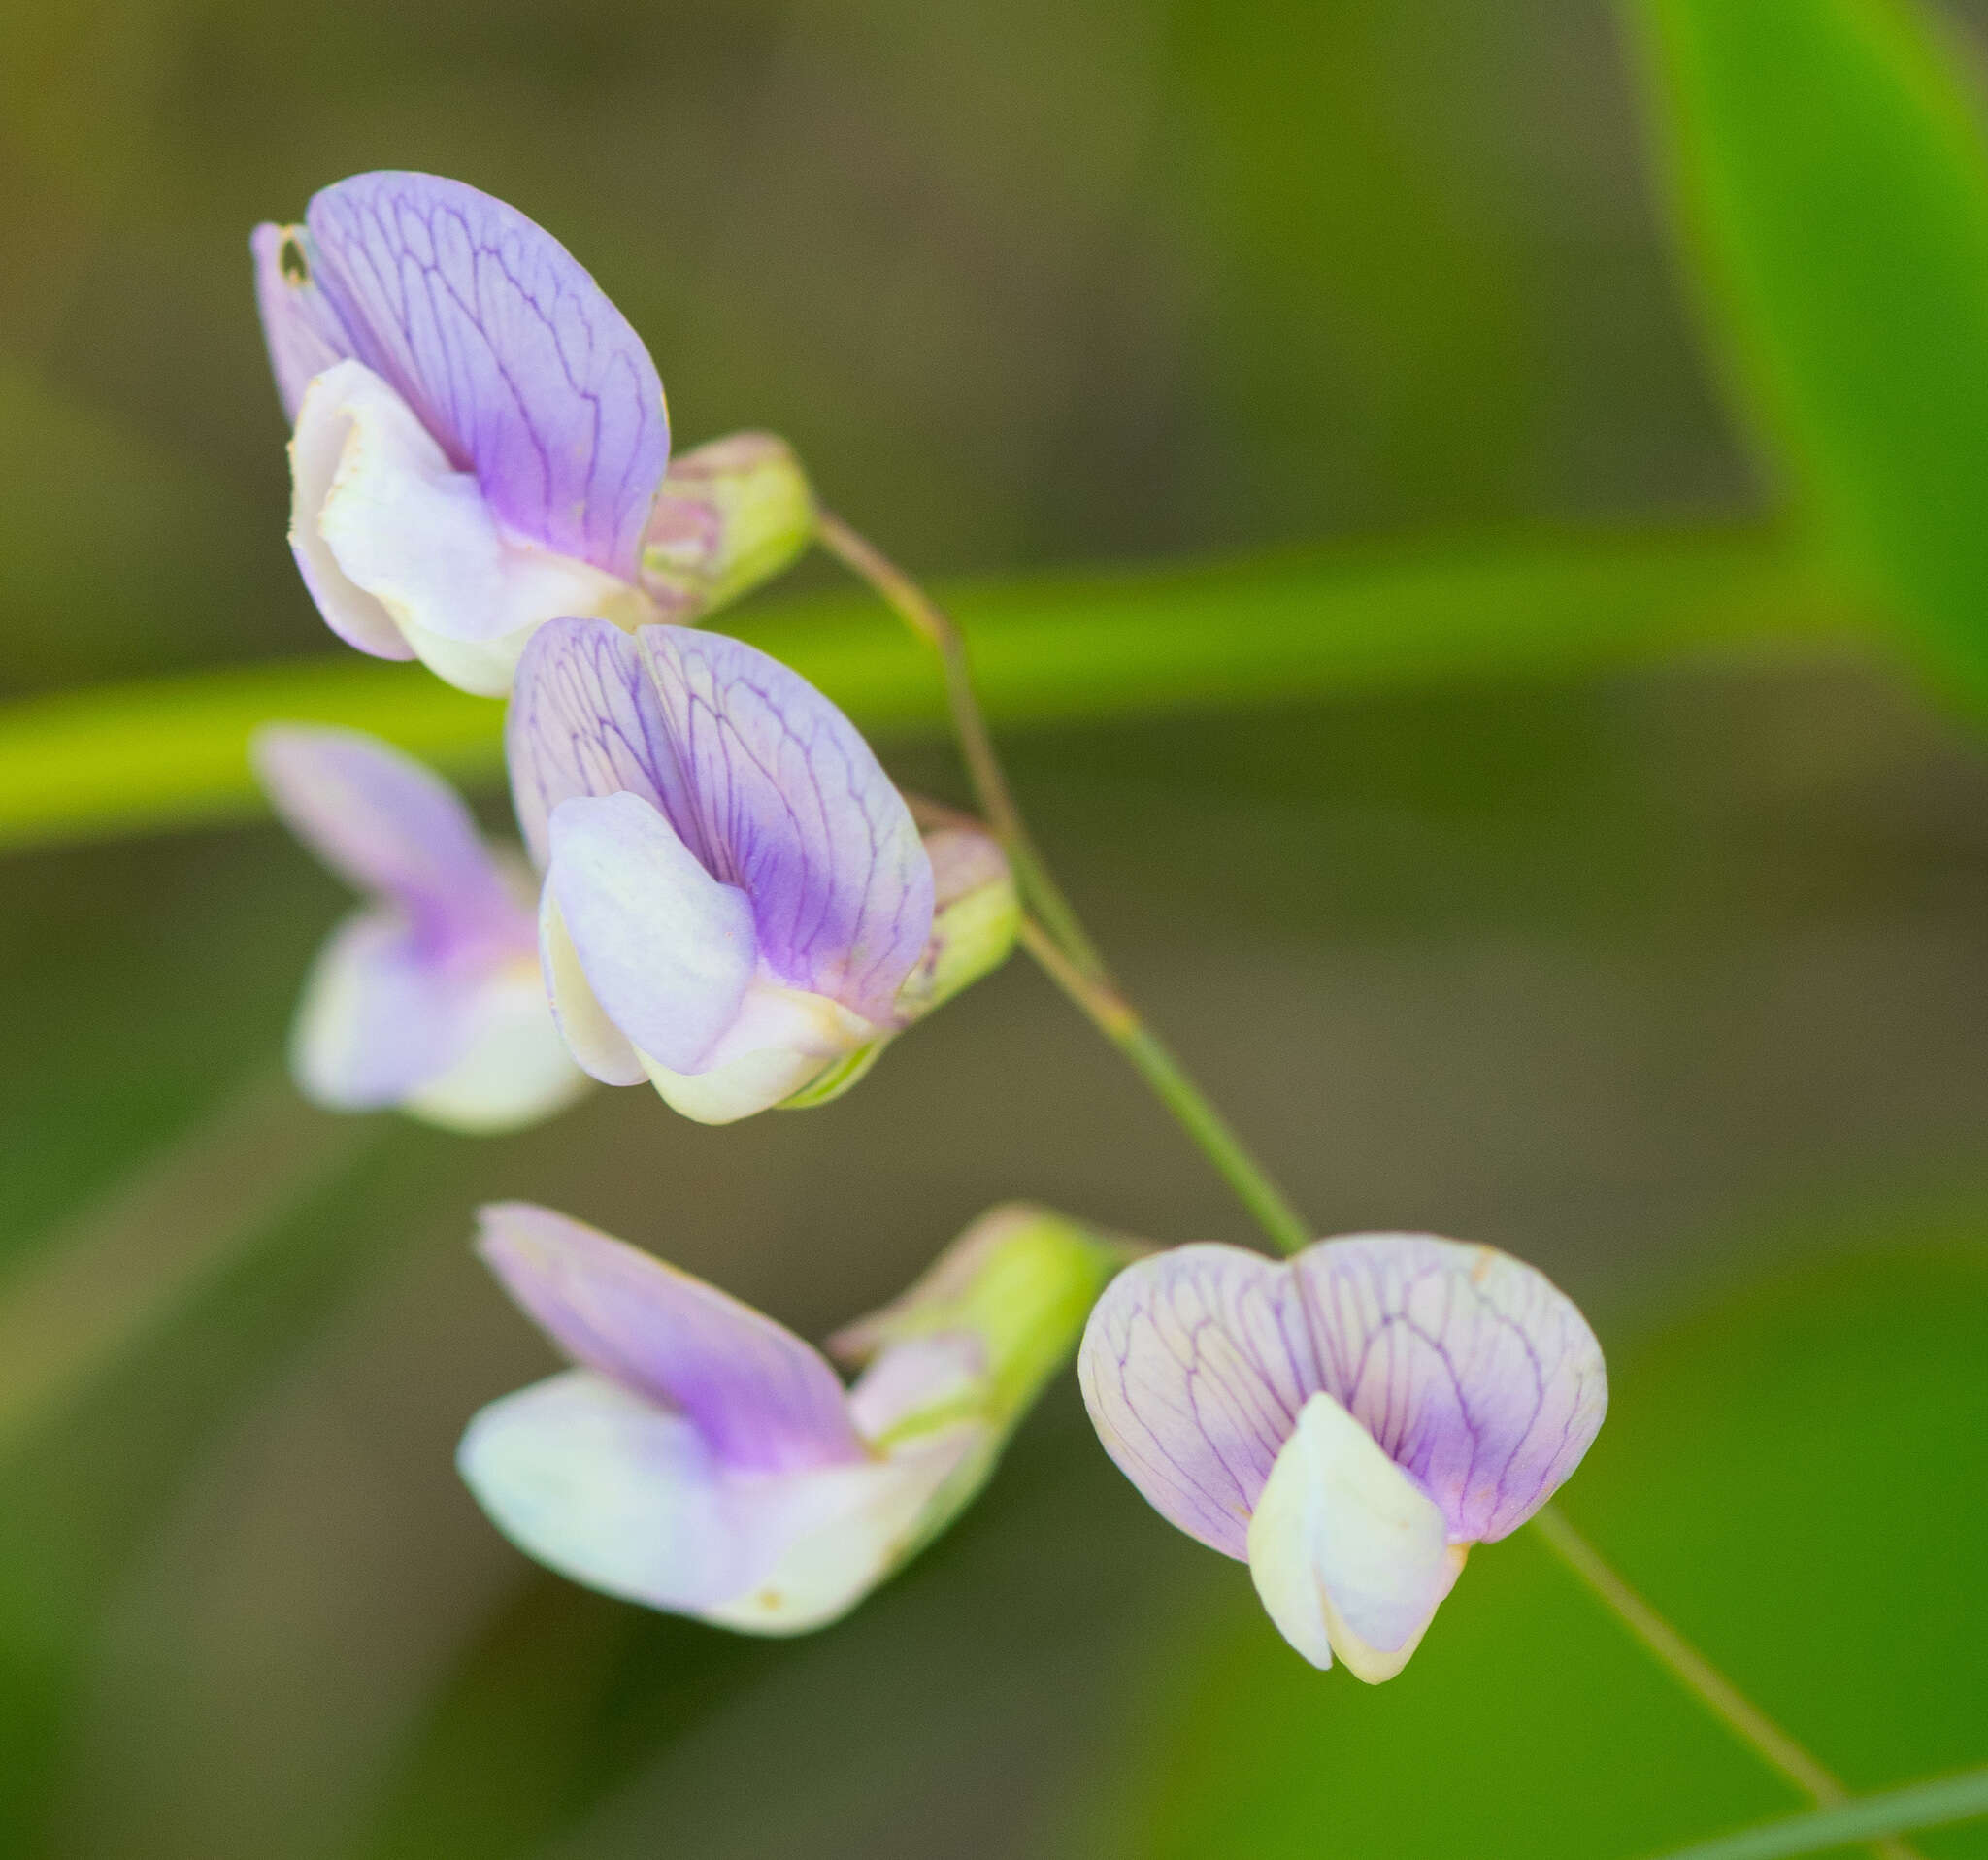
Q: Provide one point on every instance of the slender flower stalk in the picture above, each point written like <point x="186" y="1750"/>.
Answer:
<point x="1697" y="1675"/>
<point x="1053" y="934"/>
<point x="938" y="630"/>
<point x="1106" y="1009"/>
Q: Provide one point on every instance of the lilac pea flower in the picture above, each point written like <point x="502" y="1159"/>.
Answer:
<point x="735" y="893"/>
<point x="703" y="1460"/>
<point x="1348" y="1422"/>
<point x="430" y="997"/>
<point x="480" y="435"/>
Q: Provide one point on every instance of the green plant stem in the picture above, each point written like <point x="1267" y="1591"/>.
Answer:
<point x="1107" y="1009"/>
<point x="1697" y="1675"/>
<point x="938" y="630"/>
<point x="1052" y="930"/>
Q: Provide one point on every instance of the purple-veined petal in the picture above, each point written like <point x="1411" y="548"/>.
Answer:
<point x="761" y="1399"/>
<point x="304" y="335"/>
<point x="508" y="352"/>
<point x="391" y="827"/>
<point x="380" y="1016"/>
<point x="584" y="720"/>
<point x="781" y="797"/>
<point x="667" y="950"/>
<point x="766" y="781"/>
<point x="1471" y="1368"/>
<point x="1348" y="1554"/>
<point x="1194" y="1365"/>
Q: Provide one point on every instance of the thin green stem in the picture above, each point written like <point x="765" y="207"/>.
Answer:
<point x="1699" y="1676"/>
<point x="1119" y="1022"/>
<point x="938" y="629"/>
<point x="1053" y="934"/>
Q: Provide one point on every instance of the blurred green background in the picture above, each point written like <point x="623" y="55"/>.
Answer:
<point x="1667" y="976"/>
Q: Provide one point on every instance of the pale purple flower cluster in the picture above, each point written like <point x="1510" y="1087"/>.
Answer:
<point x="735" y="893"/>
<point x="734" y="903"/>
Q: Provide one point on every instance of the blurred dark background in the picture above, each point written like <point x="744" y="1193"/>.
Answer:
<point x="1671" y="981"/>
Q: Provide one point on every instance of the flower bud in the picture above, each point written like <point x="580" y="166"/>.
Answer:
<point x="730" y="515"/>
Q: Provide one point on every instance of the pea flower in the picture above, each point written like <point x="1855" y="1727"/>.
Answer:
<point x="738" y="906"/>
<point x="704" y="1460"/>
<point x="429" y="997"/>
<point x="480" y="437"/>
<point x="1348" y="1422"/>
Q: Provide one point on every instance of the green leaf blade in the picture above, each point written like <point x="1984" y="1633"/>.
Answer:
<point x="1923" y="1804"/>
<point x="1829" y="168"/>
<point x="172" y="751"/>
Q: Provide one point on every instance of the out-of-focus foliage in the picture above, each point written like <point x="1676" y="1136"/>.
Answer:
<point x="165" y="752"/>
<point x="1829" y="163"/>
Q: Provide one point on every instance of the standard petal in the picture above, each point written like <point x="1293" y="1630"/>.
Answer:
<point x="1471" y="1368"/>
<point x="388" y="826"/>
<point x="508" y="352"/>
<point x="667" y="950"/>
<point x="379" y="1017"/>
<point x="615" y="1492"/>
<point x="584" y="720"/>
<point x="1194" y="1365"/>
<point x="761" y="1399"/>
<point x="780" y="796"/>
<point x="304" y="335"/>
<point x="1348" y="1554"/>
<point x="515" y="1070"/>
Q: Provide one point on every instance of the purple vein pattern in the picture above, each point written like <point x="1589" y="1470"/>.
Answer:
<point x="767" y="783"/>
<point x="1470" y="1369"/>
<point x="506" y="350"/>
